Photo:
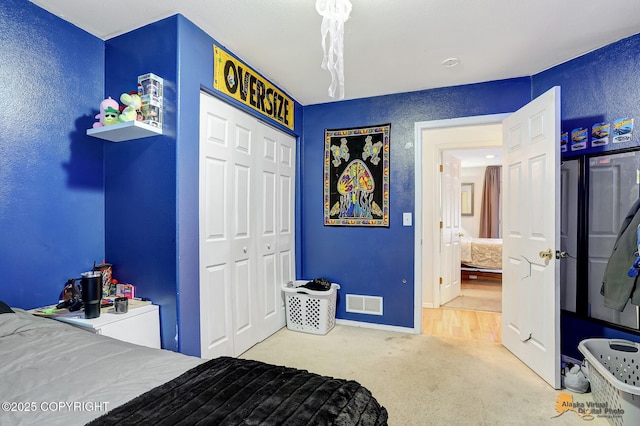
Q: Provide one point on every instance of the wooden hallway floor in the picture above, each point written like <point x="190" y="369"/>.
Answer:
<point x="462" y="323"/>
<point x="478" y="295"/>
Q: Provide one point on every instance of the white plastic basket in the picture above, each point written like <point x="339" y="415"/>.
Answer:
<point x="308" y="310"/>
<point x="614" y="374"/>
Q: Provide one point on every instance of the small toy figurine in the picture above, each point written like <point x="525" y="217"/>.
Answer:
<point x="111" y="116"/>
<point x="133" y="104"/>
<point x="150" y="114"/>
<point x="109" y="112"/>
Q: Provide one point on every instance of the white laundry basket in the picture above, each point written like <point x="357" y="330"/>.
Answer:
<point x="308" y="310"/>
<point x="614" y="374"/>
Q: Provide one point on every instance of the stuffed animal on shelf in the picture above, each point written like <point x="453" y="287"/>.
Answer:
<point x="109" y="113"/>
<point x="133" y="105"/>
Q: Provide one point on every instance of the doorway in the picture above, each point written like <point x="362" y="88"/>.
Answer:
<point x="433" y="138"/>
<point x="531" y="144"/>
<point x="481" y="258"/>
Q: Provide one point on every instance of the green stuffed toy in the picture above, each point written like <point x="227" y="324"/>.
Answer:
<point x="133" y="105"/>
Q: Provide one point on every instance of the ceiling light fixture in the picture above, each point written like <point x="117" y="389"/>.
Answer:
<point x="334" y="14"/>
<point x="451" y="62"/>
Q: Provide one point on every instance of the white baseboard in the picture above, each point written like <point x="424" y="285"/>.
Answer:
<point x="385" y="327"/>
<point x="427" y="305"/>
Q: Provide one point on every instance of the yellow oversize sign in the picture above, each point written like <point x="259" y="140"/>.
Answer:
<point x="243" y="84"/>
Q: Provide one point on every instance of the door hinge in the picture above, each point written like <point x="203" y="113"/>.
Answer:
<point x="441" y="168"/>
<point x="441" y="225"/>
<point x="440" y="280"/>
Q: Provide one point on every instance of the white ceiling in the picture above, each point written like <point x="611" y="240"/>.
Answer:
<point x="478" y="157"/>
<point x="391" y="46"/>
<point x="471" y="144"/>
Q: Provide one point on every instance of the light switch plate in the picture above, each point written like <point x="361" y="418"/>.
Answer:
<point x="406" y="219"/>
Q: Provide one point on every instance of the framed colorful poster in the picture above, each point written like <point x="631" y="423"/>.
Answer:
<point x="356" y="176"/>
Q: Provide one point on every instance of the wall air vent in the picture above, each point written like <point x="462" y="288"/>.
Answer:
<point x="359" y="304"/>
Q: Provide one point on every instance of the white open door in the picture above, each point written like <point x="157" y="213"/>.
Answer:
<point x="531" y="229"/>
<point x="450" y="228"/>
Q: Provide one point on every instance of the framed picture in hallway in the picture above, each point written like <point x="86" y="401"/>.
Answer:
<point x="466" y="199"/>
<point x="356" y="176"/>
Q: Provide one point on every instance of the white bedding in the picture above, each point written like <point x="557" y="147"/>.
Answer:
<point x="56" y="374"/>
<point x="485" y="253"/>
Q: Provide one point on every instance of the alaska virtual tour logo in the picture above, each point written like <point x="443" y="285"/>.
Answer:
<point x="587" y="410"/>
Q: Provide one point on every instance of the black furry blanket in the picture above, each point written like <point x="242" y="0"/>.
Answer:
<point x="230" y="391"/>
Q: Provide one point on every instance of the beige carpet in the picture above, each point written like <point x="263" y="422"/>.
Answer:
<point x="426" y="380"/>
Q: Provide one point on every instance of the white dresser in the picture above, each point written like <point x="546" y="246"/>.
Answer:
<point x="140" y="325"/>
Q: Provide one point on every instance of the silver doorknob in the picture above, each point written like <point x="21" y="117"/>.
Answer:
<point x="268" y="246"/>
<point x="244" y="249"/>
<point x="460" y="234"/>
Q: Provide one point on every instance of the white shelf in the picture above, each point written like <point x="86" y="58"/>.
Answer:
<point x="124" y="131"/>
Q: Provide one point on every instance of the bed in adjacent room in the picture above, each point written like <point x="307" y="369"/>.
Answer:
<point x="56" y="374"/>
<point x="481" y="258"/>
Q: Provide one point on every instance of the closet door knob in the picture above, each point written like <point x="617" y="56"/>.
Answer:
<point x="268" y="246"/>
<point x="244" y="249"/>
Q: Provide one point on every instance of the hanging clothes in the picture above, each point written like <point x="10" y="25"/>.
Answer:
<point x="617" y="286"/>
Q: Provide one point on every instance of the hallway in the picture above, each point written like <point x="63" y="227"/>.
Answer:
<point x="474" y="315"/>
<point x="478" y="295"/>
<point x="462" y="323"/>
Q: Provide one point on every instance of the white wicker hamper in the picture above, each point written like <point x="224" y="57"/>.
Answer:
<point x="614" y="374"/>
<point x="308" y="310"/>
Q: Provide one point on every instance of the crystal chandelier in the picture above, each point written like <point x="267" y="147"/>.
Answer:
<point x="334" y="14"/>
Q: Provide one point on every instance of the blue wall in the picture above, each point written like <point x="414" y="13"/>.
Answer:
<point x="51" y="173"/>
<point x="375" y="261"/>
<point x="56" y="183"/>
<point x="597" y="87"/>
<point x="151" y="185"/>
<point x="574" y="329"/>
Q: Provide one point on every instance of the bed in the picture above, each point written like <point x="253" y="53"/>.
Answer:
<point x="56" y="374"/>
<point x="481" y="258"/>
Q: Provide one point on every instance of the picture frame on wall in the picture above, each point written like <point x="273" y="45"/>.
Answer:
<point x="356" y="176"/>
<point x="466" y="199"/>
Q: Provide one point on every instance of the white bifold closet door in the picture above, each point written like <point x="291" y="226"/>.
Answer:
<point x="247" y="189"/>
